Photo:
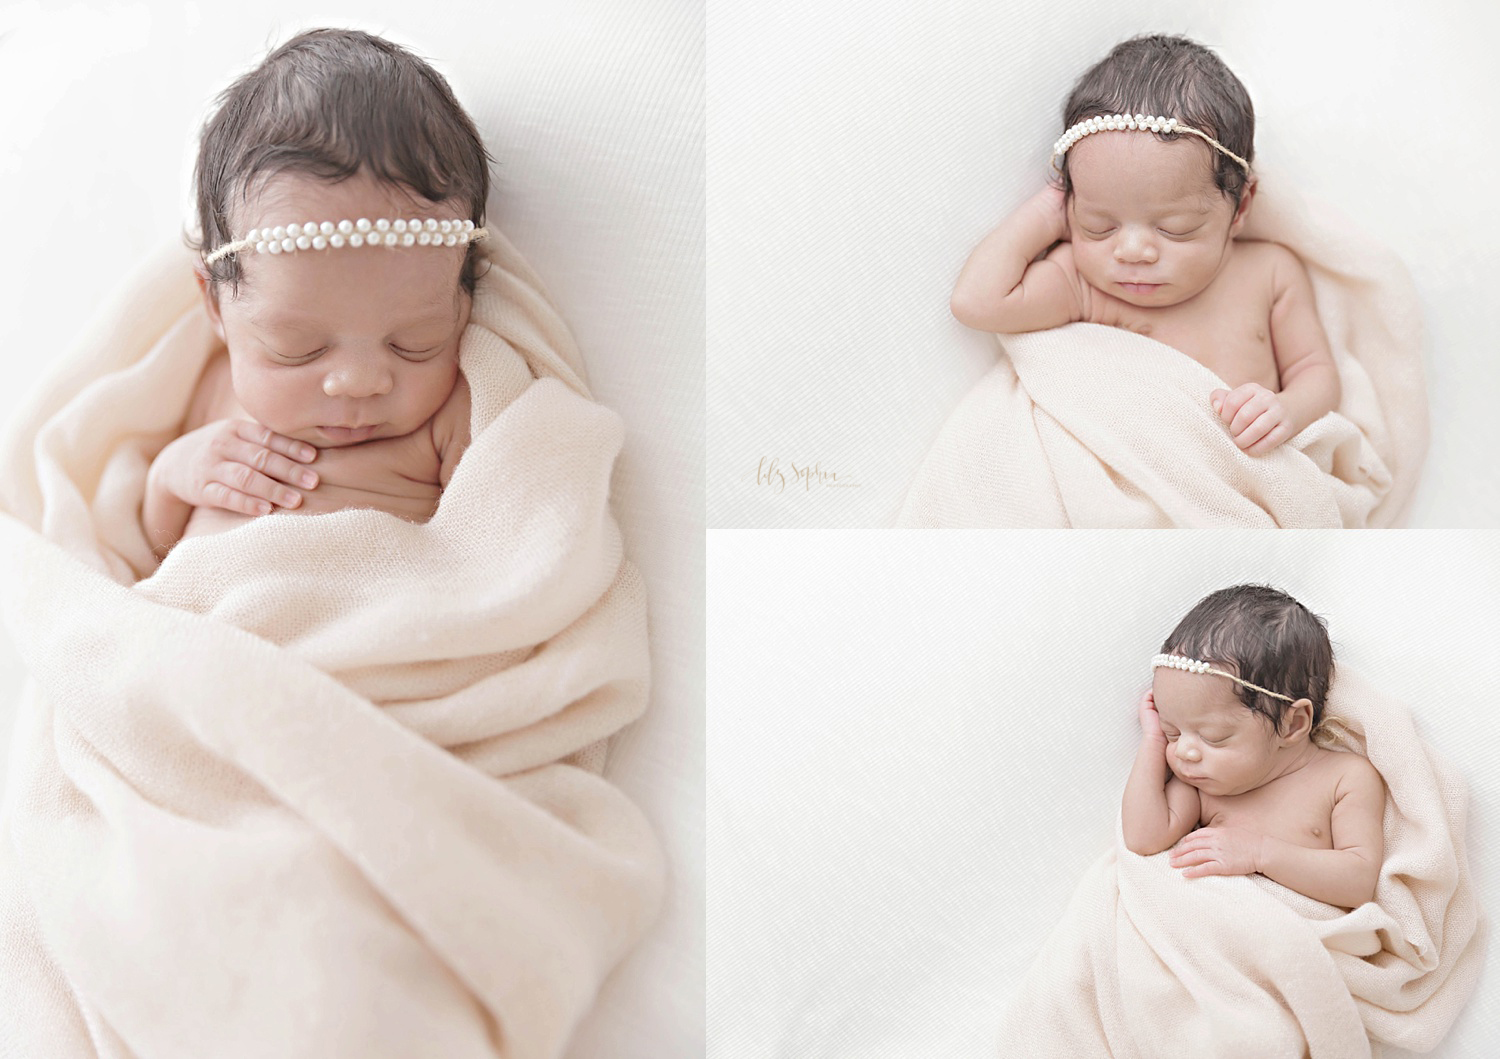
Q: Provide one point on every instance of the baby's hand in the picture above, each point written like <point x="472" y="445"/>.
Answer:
<point x="1254" y="415"/>
<point x="1151" y="720"/>
<point x="236" y="465"/>
<point x="1218" y="851"/>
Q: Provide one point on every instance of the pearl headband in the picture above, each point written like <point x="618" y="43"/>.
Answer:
<point x="1107" y="122"/>
<point x="315" y="235"/>
<point x="1192" y="665"/>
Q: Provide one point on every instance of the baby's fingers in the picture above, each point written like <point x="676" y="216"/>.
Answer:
<point x="1272" y="439"/>
<point x="1258" y="428"/>
<point x="267" y="438"/>
<point x="270" y="463"/>
<point x="222" y="496"/>
<point x="263" y="491"/>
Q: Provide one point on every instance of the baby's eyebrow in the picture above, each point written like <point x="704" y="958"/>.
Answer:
<point x="268" y="318"/>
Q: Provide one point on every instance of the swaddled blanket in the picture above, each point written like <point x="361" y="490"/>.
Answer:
<point x="1093" y="426"/>
<point x="1148" y="963"/>
<point x="321" y="785"/>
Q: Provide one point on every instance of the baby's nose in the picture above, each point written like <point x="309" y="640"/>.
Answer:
<point x="1187" y="753"/>
<point x="357" y="380"/>
<point x="1135" y="245"/>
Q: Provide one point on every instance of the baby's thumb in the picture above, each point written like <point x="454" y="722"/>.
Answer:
<point x="1217" y="399"/>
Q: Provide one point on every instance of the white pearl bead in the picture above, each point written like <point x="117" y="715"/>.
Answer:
<point x="450" y="239"/>
<point x="253" y="235"/>
<point x="362" y="224"/>
<point x="399" y="224"/>
<point x="430" y="224"/>
<point x="407" y="239"/>
<point x="382" y="225"/>
<point x="260" y="247"/>
<point x="274" y="248"/>
<point x="356" y="240"/>
<point x="346" y="226"/>
<point x="289" y="244"/>
<point x="423" y="238"/>
<point x="446" y="227"/>
<point x="320" y="242"/>
<point x="390" y="238"/>
<point x="293" y="230"/>
<point x="279" y="232"/>
<point x="468" y="226"/>
<point x="326" y="228"/>
<point x="303" y="242"/>
<point x="336" y="240"/>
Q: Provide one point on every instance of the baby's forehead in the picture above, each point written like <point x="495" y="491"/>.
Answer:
<point x="1196" y="698"/>
<point x="1137" y="167"/>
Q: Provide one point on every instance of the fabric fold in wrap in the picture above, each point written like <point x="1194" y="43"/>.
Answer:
<point x="321" y="785"/>
<point x="1146" y="962"/>
<point x="1093" y="426"/>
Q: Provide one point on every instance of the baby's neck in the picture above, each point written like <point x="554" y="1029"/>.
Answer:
<point x="1289" y="759"/>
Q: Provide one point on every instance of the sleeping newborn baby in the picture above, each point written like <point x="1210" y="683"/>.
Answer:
<point x="1226" y="756"/>
<point x="339" y="284"/>
<point x="1155" y="184"/>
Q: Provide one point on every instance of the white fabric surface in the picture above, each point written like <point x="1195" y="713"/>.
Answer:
<point x="916" y="752"/>
<point x="594" y="111"/>
<point x="856" y="155"/>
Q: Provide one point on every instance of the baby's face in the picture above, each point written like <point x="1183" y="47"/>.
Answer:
<point x="1146" y="222"/>
<point x="1213" y="742"/>
<point x="340" y="346"/>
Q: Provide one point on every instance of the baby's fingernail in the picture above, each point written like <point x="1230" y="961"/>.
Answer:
<point x="309" y="479"/>
<point x="306" y="452"/>
<point x="289" y="498"/>
<point x="263" y="507"/>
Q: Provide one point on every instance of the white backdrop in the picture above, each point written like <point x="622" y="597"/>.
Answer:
<point x="594" y="111"/>
<point x="918" y="741"/>
<point x="858" y="152"/>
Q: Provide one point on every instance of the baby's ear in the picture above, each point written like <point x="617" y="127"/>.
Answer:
<point x="1243" y="212"/>
<point x="1296" y="721"/>
<point x="210" y="302"/>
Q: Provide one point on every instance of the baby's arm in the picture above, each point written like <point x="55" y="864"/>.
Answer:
<point x="1258" y="419"/>
<point x="1002" y="287"/>
<point x="1345" y="875"/>
<point x="233" y="464"/>
<point x="1156" y="811"/>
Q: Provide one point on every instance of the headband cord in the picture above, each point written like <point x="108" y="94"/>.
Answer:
<point x="1110" y="122"/>
<point x="1192" y="665"/>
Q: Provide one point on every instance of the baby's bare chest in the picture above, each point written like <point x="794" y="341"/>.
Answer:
<point x="1296" y="808"/>
<point x="1226" y="328"/>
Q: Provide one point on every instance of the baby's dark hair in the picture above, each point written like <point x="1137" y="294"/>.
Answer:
<point x="1170" y="77"/>
<point x="1266" y="637"/>
<point x="330" y="103"/>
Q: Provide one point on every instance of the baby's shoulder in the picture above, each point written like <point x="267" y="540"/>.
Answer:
<point x="450" y="428"/>
<point x="1275" y="262"/>
<point x="1352" y="772"/>
<point x="214" y="396"/>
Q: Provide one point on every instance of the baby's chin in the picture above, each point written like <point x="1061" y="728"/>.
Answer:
<point x="336" y="436"/>
<point x="1143" y="296"/>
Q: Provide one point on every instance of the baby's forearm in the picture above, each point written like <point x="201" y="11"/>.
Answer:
<point x="1145" y="818"/>
<point x="999" y="262"/>
<point x="1334" y="876"/>
<point x="1310" y="394"/>
<point x="164" y="515"/>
